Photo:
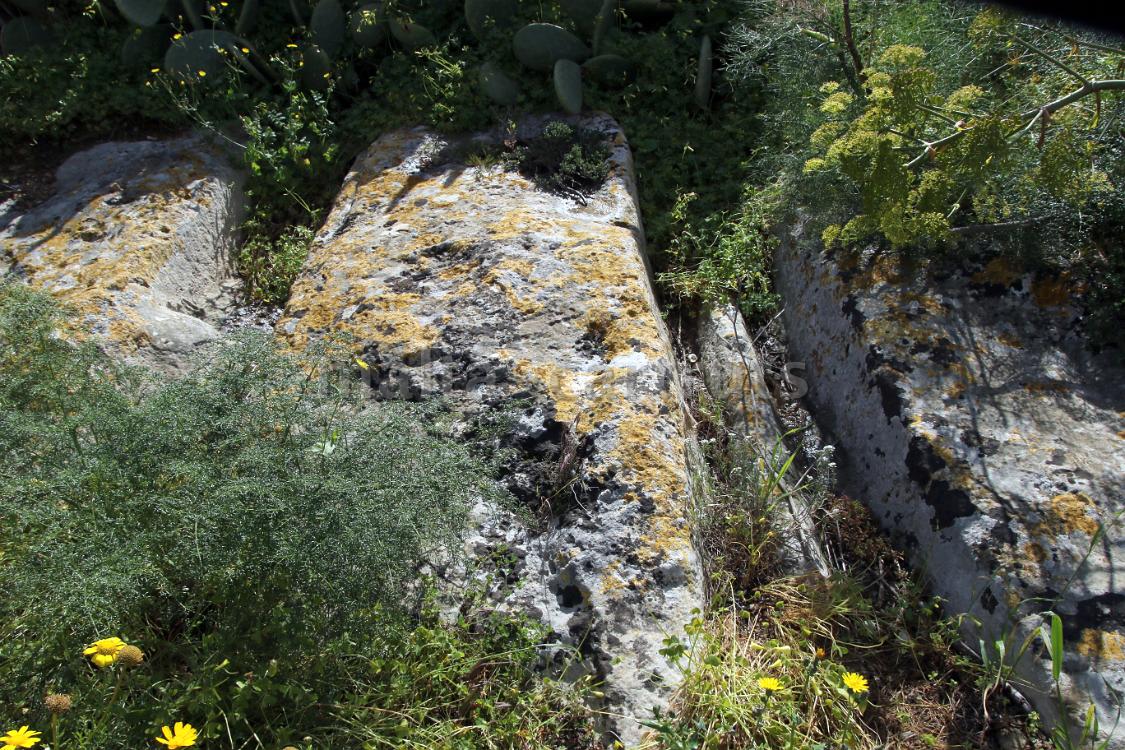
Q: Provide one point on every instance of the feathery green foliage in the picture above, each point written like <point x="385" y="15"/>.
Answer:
<point x="234" y="519"/>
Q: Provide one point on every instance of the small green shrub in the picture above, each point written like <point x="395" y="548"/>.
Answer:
<point x="563" y="158"/>
<point x="724" y="257"/>
<point x="236" y="522"/>
<point x="270" y="265"/>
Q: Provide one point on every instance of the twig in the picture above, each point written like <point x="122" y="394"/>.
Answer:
<point x="1088" y="88"/>
<point x="849" y="42"/>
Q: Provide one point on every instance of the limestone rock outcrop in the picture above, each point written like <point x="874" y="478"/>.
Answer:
<point x="470" y="283"/>
<point x="971" y="417"/>
<point x="138" y="241"/>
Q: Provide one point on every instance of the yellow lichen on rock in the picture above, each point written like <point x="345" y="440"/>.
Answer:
<point x="1102" y="645"/>
<point x="1069" y="513"/>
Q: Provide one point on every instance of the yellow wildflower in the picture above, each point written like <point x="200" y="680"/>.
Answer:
<point x="291" y="46"/>
<point x="104" y="652"/>
<point x="183" y="736"/>
<point x="18" y="738"/>
<point x="769" y="684"/>
<point x="857" y="683"/>
<point x="203" y="74"/>
<point x="177" y="36"/>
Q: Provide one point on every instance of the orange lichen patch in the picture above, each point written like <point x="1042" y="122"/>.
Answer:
<point x="650" y="459"/>
<point x="1101" y="645"/>
<point x="1068" y="513"/>
<point x="999" y="271"/>
<point x="519" y="223"/>
<point x="1010" y="340"/>
<point x="1121" y="434"/>
<point x="612" y="580"/>
<point x="883" y="269"/>
<point x="506" y="275"/>
<point x="563" y="386"/>
<point x="1052" y="292"/>
<point x="459" y="270"/>
<point x="104" y="248"/>
<point x="911" y="300"/>
<point x="1047" y="386"/>
<point x="388" y="323"/>
<point x="1034" y="552"/>
<point x="957" y="390"/>
<point x="666" y="537"/>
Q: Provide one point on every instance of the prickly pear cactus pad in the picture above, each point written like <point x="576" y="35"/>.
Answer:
<point x="988" y="439"/>
<point x="138" y="241"/>
<point x="470" y="283"/>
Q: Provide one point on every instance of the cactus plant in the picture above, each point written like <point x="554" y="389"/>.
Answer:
<point x="609" y="70"/>
<point x="143" y="13"/>
<point x="584" y="13"/>
<point x="412" y="35"/>
<point x="144" y="47"/>
<point x="568" y="85"/>
<point x="316" y="68"/>
<point x="37" y="8"/>
<point x="200" y="55"/>
<point x="327" y="27"/>
<point x="540" y="45"/>
<point x="248" y="18"/>
<point x="703" y="75"/>
<point x="604" y="22"/>
<point x="367" y="27"/>
<point x="21" y="34"/>
<point x="498" y="86"/>
<point x="485" y="15"/>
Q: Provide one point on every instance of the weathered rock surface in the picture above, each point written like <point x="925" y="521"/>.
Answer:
<point x="735" y="379"/>
<point x="983" y="434"/>
<point x="138" y="240"/>
<point x="472" y="284"/>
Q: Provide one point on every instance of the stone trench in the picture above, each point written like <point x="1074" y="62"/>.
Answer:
<point x="967" y="413"/>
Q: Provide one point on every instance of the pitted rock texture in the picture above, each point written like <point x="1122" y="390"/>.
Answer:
<point x="988" y="440"/>
<point x="735" y="379"/>
<point x="472" y="284"/>
<point x="138" y="241"/>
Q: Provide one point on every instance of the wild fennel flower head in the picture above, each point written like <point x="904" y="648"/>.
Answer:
<point x="104" y="652"/>
<point x="130" y="656"/>
<point x="58" y="703"/>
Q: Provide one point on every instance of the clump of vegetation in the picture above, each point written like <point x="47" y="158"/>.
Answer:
<point x="859" y="658"/>
<point x="246" y="532"/>
<point x="939" y="129"/>
<point x="563" y="158"/>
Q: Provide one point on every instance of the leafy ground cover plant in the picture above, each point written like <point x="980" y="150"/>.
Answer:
<point x="253" y="538"/>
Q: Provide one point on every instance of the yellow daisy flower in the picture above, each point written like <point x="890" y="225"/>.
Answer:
<point x="104" y="652"/>
<point x="19" y="738"/>
<point x="857" y="683"/>
<point x="182" y="736"/>
<point x="769" y="684"/>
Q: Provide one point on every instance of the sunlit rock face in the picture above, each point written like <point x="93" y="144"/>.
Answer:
<point x="470" y="283"/>
<point x="138" y="242"/>
<point x="972" y="418"/>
